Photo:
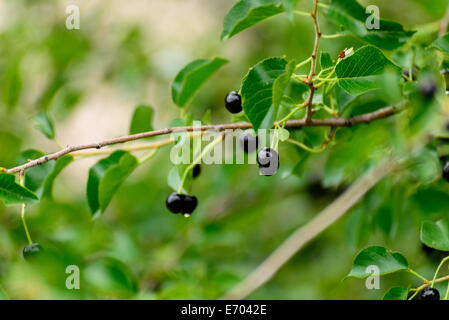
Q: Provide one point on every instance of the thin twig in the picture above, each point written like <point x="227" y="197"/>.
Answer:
<point x="336" y="122"/>
<point x="313" y="228"/>
<point x="318" y="35"/>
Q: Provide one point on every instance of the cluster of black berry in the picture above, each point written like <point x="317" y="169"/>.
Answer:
<point x="267" y="158"/>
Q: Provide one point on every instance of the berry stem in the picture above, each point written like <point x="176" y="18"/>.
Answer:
<point x="438" y="270"/>
<point x="206" y="149"/>
<point x="299" y="65"/>
<point x="21" y="182"/>
<point x="417" y="274"/>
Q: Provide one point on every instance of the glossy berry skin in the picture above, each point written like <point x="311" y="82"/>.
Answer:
<point x="446" y="171"/>
<point x="175" y="202"/>
<point x="189" y="204"/>
<point x="430" y="294"/>
<point x="428" y="89"/>
<point x="233" y="102"/>
<point x="196" y="170"/>
<point x="31" y="250"/>
<point x="249" y="143"/>
<point x="268" y="160"/>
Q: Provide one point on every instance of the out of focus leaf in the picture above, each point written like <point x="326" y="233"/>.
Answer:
<point x="436" y="234"/>
<point x="442" y="43"/>
<point x="387" y="261"/>
<point x="45" y="125"/>
<point x="142" y="120"/>
<point x="12" y="84"/>
<point x="192" y="77"/>
<point x="352" y="16"/>
<point x="61" y="163"/>
<point x="106" y="176"/>
<point x="13" y="193"/>
<point x="246" y="13"/>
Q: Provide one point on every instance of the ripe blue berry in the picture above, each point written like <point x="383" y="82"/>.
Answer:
<point x="180" y="203"/>
<point x="196" y="170"/>
<point x="31" y="250"/>
<point x="189" y="205"/>
<point x="268" y="160"/>
<point x="446" y="171"/>
<point x="175" y="202"/>
<point x="428" y="89"/>
<point x="233" y="102"/>
<point x="430" y="294"/>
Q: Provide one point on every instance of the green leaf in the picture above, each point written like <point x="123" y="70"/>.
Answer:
<point x="363" y="70"/>
<point x="387" y="261"/>
<point x="247" y="13"/>
<point x="289" y="6"/>
<point x="61" y="163"/>
<point x="284" y="134"/>
<point x="442" y="43"/>
<point x="11" y="84"/>
<point x="13" y="193"/>
<point x="257" y="90"/>
<point x="191" y="77"/>
<point x="353" y="17"/>
<point x="325" y="60"/>
<point x="174" y="179"/>
<point x="396" y="293"/>
<point x="280" y="85"/>
<point x="35" y="176"/>
<point x="436" y="234"/>
<point x="142" y="120"/>
<point x="45" y="125"/>
<point x="106" y="176"/>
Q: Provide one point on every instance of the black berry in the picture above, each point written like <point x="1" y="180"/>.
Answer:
<point x="190" y="203"/>
<point x="249" y="143"/>
<point x="446" y="171"/>
<point x="430" y="294"/>
<point x="233" y="102"/>
<point x="428" y="89"/>
<point x="196" y="170"/>
<point x="268" y="160"/>
<point x="175" y="202"/>
<point x="31" y="250"/>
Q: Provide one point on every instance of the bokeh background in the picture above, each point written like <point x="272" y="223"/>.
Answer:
<point x="127" y="53"/>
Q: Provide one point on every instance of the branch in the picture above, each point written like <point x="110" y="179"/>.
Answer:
<point x="306" y="233"/>
<point x="334" y="122"/>
<point x="312" y="87"/>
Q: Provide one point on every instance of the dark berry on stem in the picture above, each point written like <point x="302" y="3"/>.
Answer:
<point x="249" y="143"/>
<point x="175" y="202"/>
<point x="268" y="160"/>
<point x="233" y="102"/>
<point x="190" y="203"/>
<point x="428" y="89"/>
<point x="446" y="171"/>
<point x="31" y="250"/>
<point x="196" y="170"/>
<point x="430" y="294"/>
